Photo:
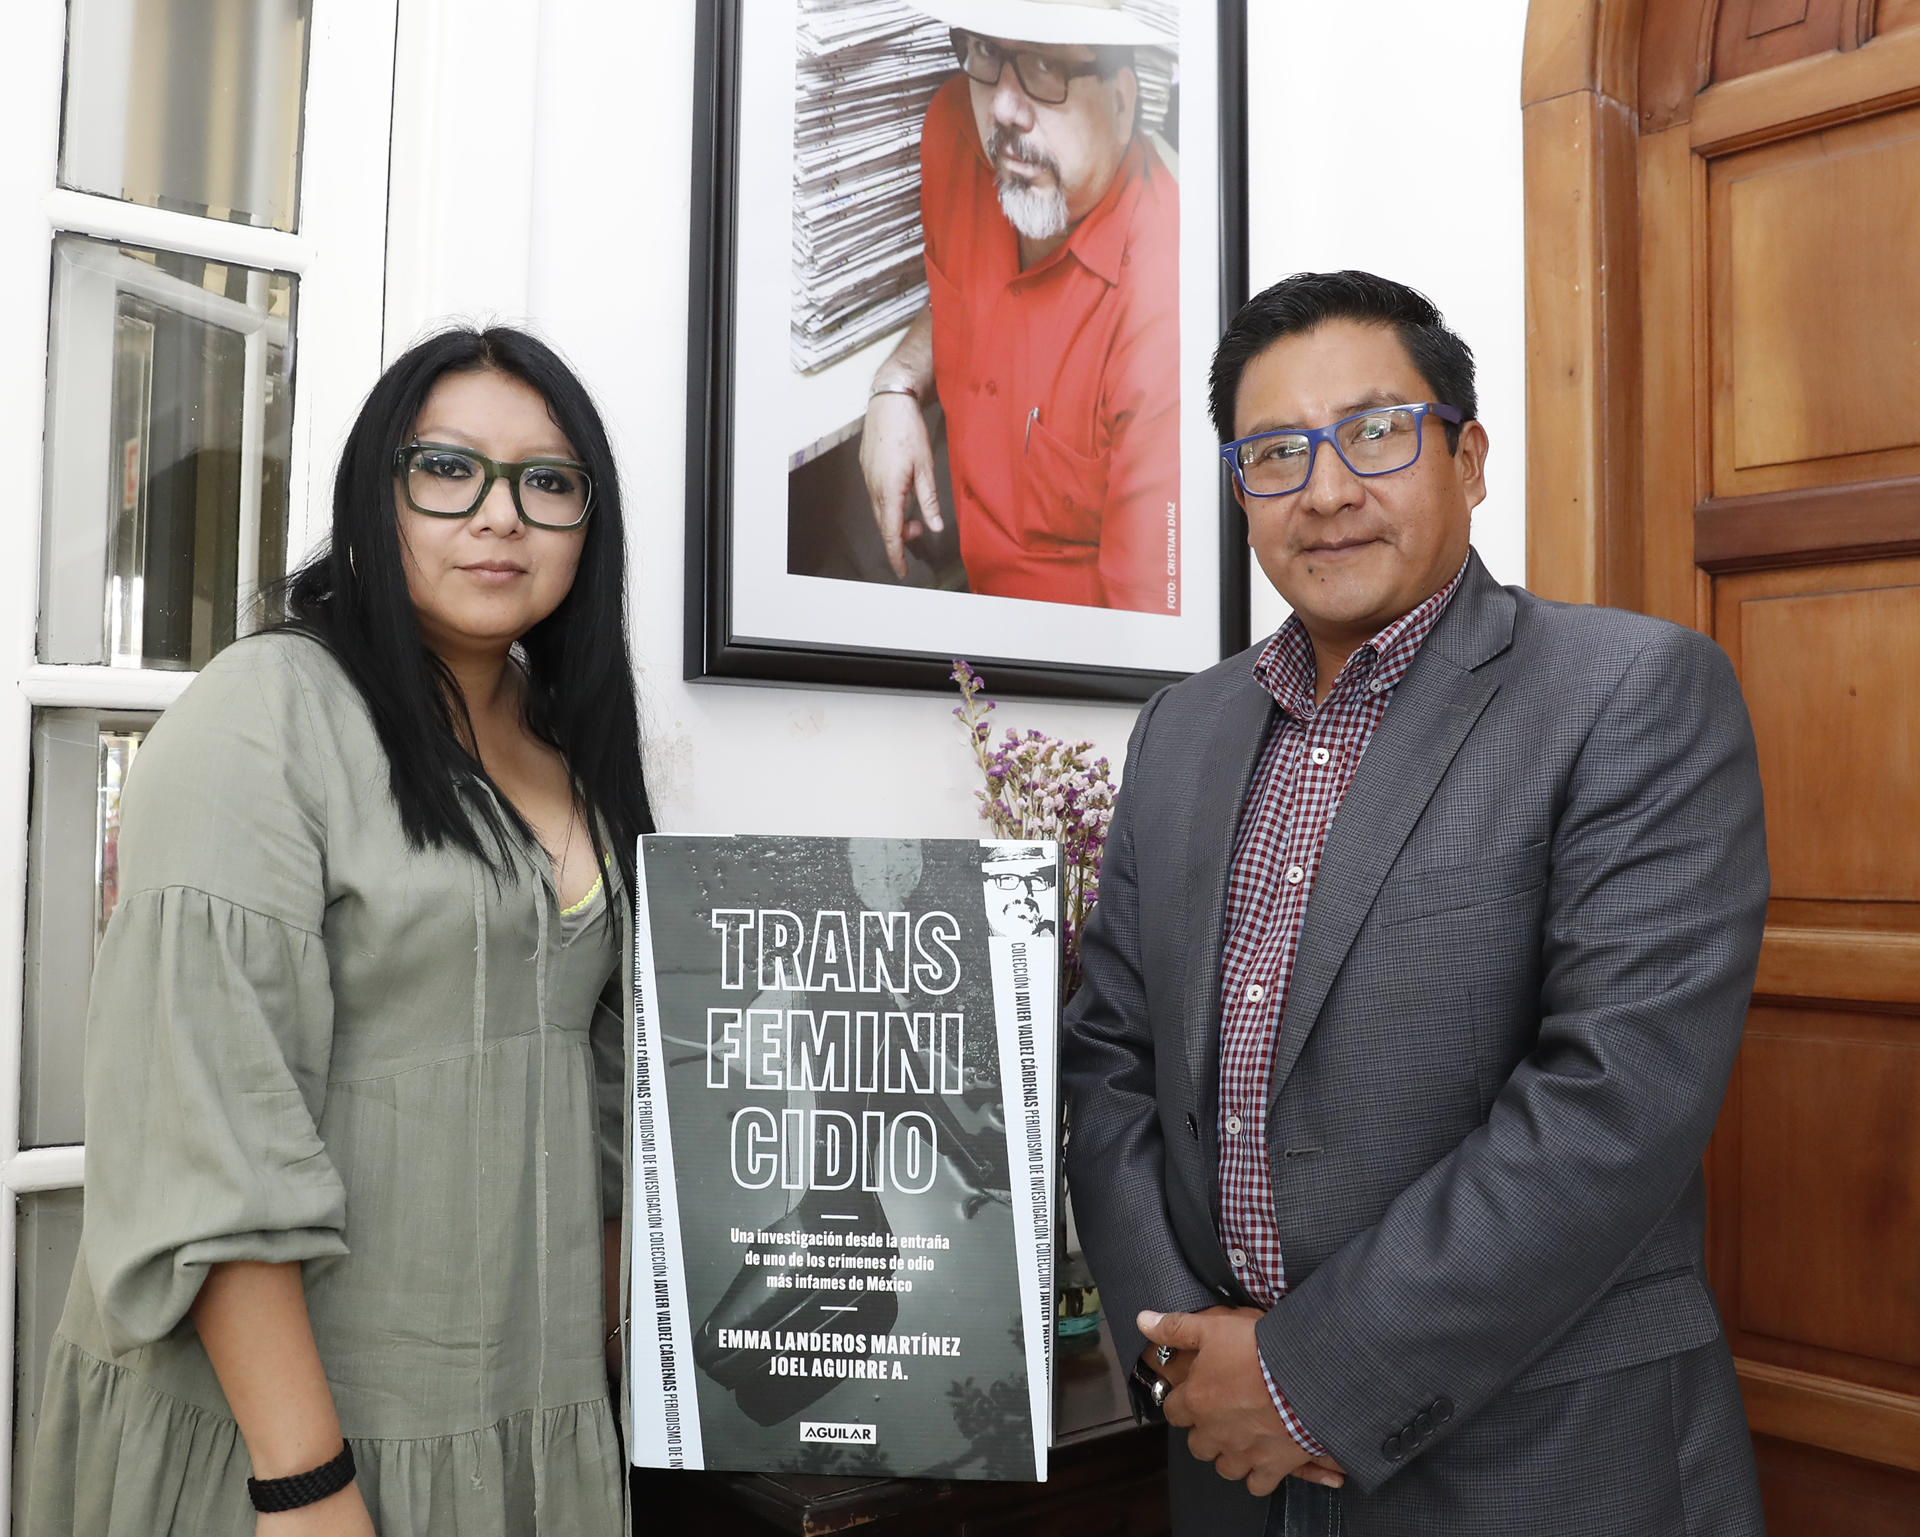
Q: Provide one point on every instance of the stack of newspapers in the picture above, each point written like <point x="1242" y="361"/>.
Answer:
<point x="866" y="72"/>
<point x="1156" y="68"/>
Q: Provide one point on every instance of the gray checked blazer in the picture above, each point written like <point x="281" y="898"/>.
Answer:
<point x="1520" y="986"/>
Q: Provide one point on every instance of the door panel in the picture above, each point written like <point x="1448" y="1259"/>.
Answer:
<point x="1828" y="678"/>
<point x="1760" y="34"/>
<point x="1814" y="1179"/>
<point x="1812" y="1267"/>
<point x="1820" y="251"/>
<point x="1807" y="434"/>
<point x="1775" y="397"/>
<point x="1815" y="308"/>
<point x="1895" y="14"/>
<point x="1817" y="1492"/>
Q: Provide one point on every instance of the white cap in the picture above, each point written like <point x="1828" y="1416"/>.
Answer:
<point x="1092" y="23"/>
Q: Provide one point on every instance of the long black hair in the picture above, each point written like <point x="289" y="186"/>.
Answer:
<point x="353" y="597"/>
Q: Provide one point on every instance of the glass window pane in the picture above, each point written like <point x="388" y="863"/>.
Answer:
<point x="49" y="1237"/>
<point x="80" y="760"/>
<point x="116" y="757"/>
<point x="192" y="105"/>
<point x="169" y="425"/>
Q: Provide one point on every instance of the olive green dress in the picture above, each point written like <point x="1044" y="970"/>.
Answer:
<point x="310" y="1041"/>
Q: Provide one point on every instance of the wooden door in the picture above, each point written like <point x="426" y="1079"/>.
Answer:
<point x="1724" y="429"/>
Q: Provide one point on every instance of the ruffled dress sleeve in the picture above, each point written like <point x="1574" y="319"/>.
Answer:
<point x="210" y="1023"/>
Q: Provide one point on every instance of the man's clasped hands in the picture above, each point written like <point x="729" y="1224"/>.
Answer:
<point x="1220" y="1395"/>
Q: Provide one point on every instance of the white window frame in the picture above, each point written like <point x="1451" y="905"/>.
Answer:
<point x="339" y="257"/>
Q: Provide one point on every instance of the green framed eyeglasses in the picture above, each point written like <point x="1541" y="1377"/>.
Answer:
<point x="444" y="480"/>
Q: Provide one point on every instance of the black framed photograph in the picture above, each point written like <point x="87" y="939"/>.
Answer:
<point x="958" y="271"/>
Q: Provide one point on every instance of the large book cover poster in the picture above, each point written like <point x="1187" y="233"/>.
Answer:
<point x="844" y="1105"/>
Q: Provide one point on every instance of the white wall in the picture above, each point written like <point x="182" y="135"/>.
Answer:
<point x="1405" y="134"/>
<point x="600" y="267"/>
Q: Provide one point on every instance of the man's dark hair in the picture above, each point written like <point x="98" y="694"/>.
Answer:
<point x="1309" y="299"/>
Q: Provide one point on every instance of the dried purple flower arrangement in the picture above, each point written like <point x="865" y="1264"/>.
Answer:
<point x="1038" y="786"/>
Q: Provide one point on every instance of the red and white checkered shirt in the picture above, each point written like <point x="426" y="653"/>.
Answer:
<point x="1309" y="759"/>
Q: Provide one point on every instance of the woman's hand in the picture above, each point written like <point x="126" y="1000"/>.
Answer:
<point x="339" y="1515"/>
<point x="252" y="1320"/>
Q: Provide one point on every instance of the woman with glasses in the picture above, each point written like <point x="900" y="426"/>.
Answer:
<point x="355" y="1059"/>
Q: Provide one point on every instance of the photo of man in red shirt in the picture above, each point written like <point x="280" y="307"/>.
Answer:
<point x="1051" y="334"/>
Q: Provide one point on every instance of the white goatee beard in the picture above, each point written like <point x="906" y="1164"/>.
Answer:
<point x="1037" y="214"/>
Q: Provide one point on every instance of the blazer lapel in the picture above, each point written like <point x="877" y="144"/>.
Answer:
<point x="1225" y="768"/>
<point x="1432" y="711"/>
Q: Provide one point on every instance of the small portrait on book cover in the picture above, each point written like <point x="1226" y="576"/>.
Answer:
<point x="1020" y="883"/>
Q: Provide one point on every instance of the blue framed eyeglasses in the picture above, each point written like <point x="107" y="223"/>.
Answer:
<point x="1374" y="442"/>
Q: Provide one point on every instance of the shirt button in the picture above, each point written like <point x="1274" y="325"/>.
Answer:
<point x="1239" y="1258"/>
<point x="1376" y="686"/>
<point x="1255" y="992"/>
<point x="1233" y="1126"/>
<point x="1295" y="875"/>
<point x="1321" y="755"/>
<point x="991" y="387"/>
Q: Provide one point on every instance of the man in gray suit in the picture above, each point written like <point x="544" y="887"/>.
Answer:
<point x="1390" y="1076"/>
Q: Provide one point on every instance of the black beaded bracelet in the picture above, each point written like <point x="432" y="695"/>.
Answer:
<point x="275" y="1494"/>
